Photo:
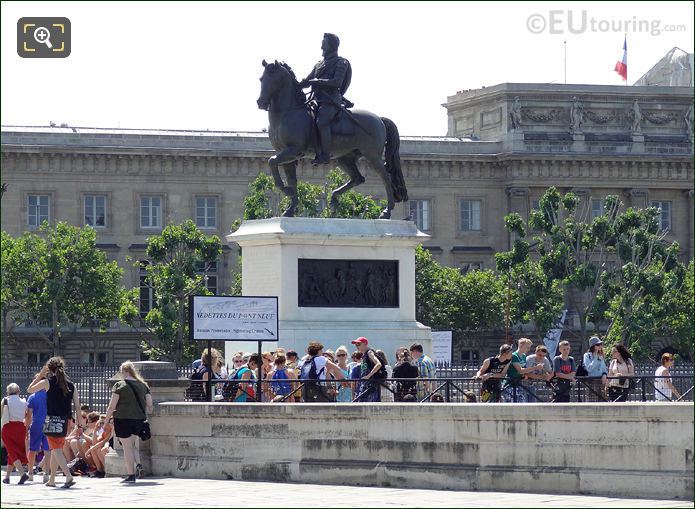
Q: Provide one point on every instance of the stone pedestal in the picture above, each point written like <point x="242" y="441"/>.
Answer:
<point x="335" y="259"/>
<point x="165" y="386"/>
<point x="637" y="142"/>
<point x="514" y="141"/>
<point x="578" y="142"/>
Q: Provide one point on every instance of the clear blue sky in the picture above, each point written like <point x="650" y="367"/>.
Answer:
<point x="195" y="65"/>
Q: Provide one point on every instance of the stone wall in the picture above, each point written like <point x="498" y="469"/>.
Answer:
<point x="564" y="448"/>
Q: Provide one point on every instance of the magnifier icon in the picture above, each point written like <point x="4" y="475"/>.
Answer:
<point x="43" y="36"/>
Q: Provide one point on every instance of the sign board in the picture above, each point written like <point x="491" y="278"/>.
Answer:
<point x="225" y="318"/>
<point x="441" y="346"/>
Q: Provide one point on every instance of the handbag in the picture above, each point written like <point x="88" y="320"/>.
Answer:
<point x="145" y="433"/>
<point x="55" y="426"/>
<point x="5" y="412"/>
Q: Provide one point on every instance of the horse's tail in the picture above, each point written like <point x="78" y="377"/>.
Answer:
<point x="393" y="161"/>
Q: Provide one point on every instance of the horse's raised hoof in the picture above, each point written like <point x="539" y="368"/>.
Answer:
<point x="288" y="213"/>
<point x="385" y="214"/>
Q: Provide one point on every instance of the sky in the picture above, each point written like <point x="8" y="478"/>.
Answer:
<point x="195" y="65"/>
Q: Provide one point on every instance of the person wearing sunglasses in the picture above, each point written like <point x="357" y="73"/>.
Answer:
<point x="345" y="388"/>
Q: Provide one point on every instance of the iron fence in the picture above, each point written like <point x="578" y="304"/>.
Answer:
<point x="429" y="390"/>
<point x="454" y="383"/>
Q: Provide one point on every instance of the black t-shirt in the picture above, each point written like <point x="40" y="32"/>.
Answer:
<point x="495" y="366"/>
<point x="405" y="370"/>
<point x="58" y="403"/>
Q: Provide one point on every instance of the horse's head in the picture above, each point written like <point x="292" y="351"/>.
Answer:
<point x="278" y="76"/>
<point x="270" y="83"/>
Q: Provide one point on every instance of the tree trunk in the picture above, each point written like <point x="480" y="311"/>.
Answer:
<point x="55" y="326"/>
<point x="179" y="332"/>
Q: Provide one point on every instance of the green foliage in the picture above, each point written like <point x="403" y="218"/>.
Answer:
<point x="179" y="260"/>
<point x="59" y="276"/>
<point x="312" y="200"/>
<point x="466" y="304"/>
<point x="616" y="267"/>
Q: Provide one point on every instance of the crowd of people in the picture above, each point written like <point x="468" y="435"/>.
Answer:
<point x="320" y="375"/>
<point x="50" y="432"/>
<point x="365" y="375"/>
<point x="511" y="375"/>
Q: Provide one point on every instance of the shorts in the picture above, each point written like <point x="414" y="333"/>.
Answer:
<point x="37" y="440"/>
<point x="125" y="428"/>
<point x="55" y="443"/>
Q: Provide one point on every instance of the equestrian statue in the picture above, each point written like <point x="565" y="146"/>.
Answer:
<point x="324" y="126"/>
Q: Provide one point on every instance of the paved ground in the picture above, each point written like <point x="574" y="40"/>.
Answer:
<point x="167" y="492"/>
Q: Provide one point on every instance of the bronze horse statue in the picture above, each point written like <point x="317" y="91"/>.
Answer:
<point x="292" y="133"/>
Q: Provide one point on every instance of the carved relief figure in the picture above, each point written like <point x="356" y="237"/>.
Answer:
<point x="688" y="119"/>
<point x="636" y="117"/>
<point x="576" y="115"/>
<point x="515" y="113"/>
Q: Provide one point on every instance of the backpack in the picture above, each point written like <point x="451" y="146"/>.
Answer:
<point x="230" y="389"/>
<point x="308" y="370"/>
<point x="195" y="391"/>
<point x="581" y="370"/>
<point x="382" y="373"/>
<point x="312" y="390"/>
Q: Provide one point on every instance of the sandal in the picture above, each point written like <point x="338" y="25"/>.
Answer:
<point x="6" y="481"/>
<point x="69" y="483"/>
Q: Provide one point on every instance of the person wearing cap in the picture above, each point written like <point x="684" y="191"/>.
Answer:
<point x="594" y="362"/>
<point x="370" y="366"/>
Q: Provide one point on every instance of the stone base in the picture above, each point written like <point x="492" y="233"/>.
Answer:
<point x="271" y="250"/>
<point x="617" y="450"/>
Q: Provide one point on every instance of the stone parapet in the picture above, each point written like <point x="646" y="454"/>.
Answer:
<point x="608" y="449"/>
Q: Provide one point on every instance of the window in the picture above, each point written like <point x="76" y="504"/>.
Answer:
<point x="535" y="205"/>
<point x="95" y="210"/>
<point x="147" y="299"/>
<point x="37" y="209"/>
<point x="95" y="358"/>
<point x="206" y="212"/>
<point x="469" y="266"/>
<point x="420" y="213"/>
<point x="150" y="212"/>
<point x="210" y="278"/>
<point x="469" y="355"/>
<point x="470" y="215"/>
<point x="664" y="214"/>
<point x="36" y="358"/>
<point x="597" y="208"/>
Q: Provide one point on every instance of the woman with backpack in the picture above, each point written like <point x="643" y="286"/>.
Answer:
<point x="280" y="379"/>
<point x="314" y="372"/>
<point x="61" y="396"/>
<point x="130" y="396"/>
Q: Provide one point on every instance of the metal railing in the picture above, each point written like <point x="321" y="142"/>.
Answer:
<point x="454" y="383"/>
<point x="449" y="390"/>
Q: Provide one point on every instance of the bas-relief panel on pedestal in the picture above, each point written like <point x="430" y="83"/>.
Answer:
<point x="347" y="283"/>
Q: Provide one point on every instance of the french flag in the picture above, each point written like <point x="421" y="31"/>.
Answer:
<point x="621" y="65"/>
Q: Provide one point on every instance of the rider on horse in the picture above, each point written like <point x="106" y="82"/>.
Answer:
<point x="329" y="81"/>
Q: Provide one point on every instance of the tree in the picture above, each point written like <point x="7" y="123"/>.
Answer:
<point x="633" y="296"/>
<point x="58" y="277"/>
<point x="535" y="296"/>
<point x="312" y="199"/>
<point x="467" y="304"/>
<point x="607" y="265"/>
<point x="180" y="258"/>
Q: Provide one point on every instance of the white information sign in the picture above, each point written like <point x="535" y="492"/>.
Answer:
<point x="222" y="318"/>
<point x="441" y="346"/>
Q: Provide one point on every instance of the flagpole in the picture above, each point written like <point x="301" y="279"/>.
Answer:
<point x="564" y="43"/>
<point x="626" y="67"/>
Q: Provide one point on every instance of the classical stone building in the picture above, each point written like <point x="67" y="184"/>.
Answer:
<point x="506" y="144"/>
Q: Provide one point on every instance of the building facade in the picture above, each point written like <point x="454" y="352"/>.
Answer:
<point x="505" y="146"/>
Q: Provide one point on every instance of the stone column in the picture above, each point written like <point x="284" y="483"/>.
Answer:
<point x="639" y="198"/>
<point x="691" y="223"/>
<point x="518" y="202"/>
<point x="165" y="385"/>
